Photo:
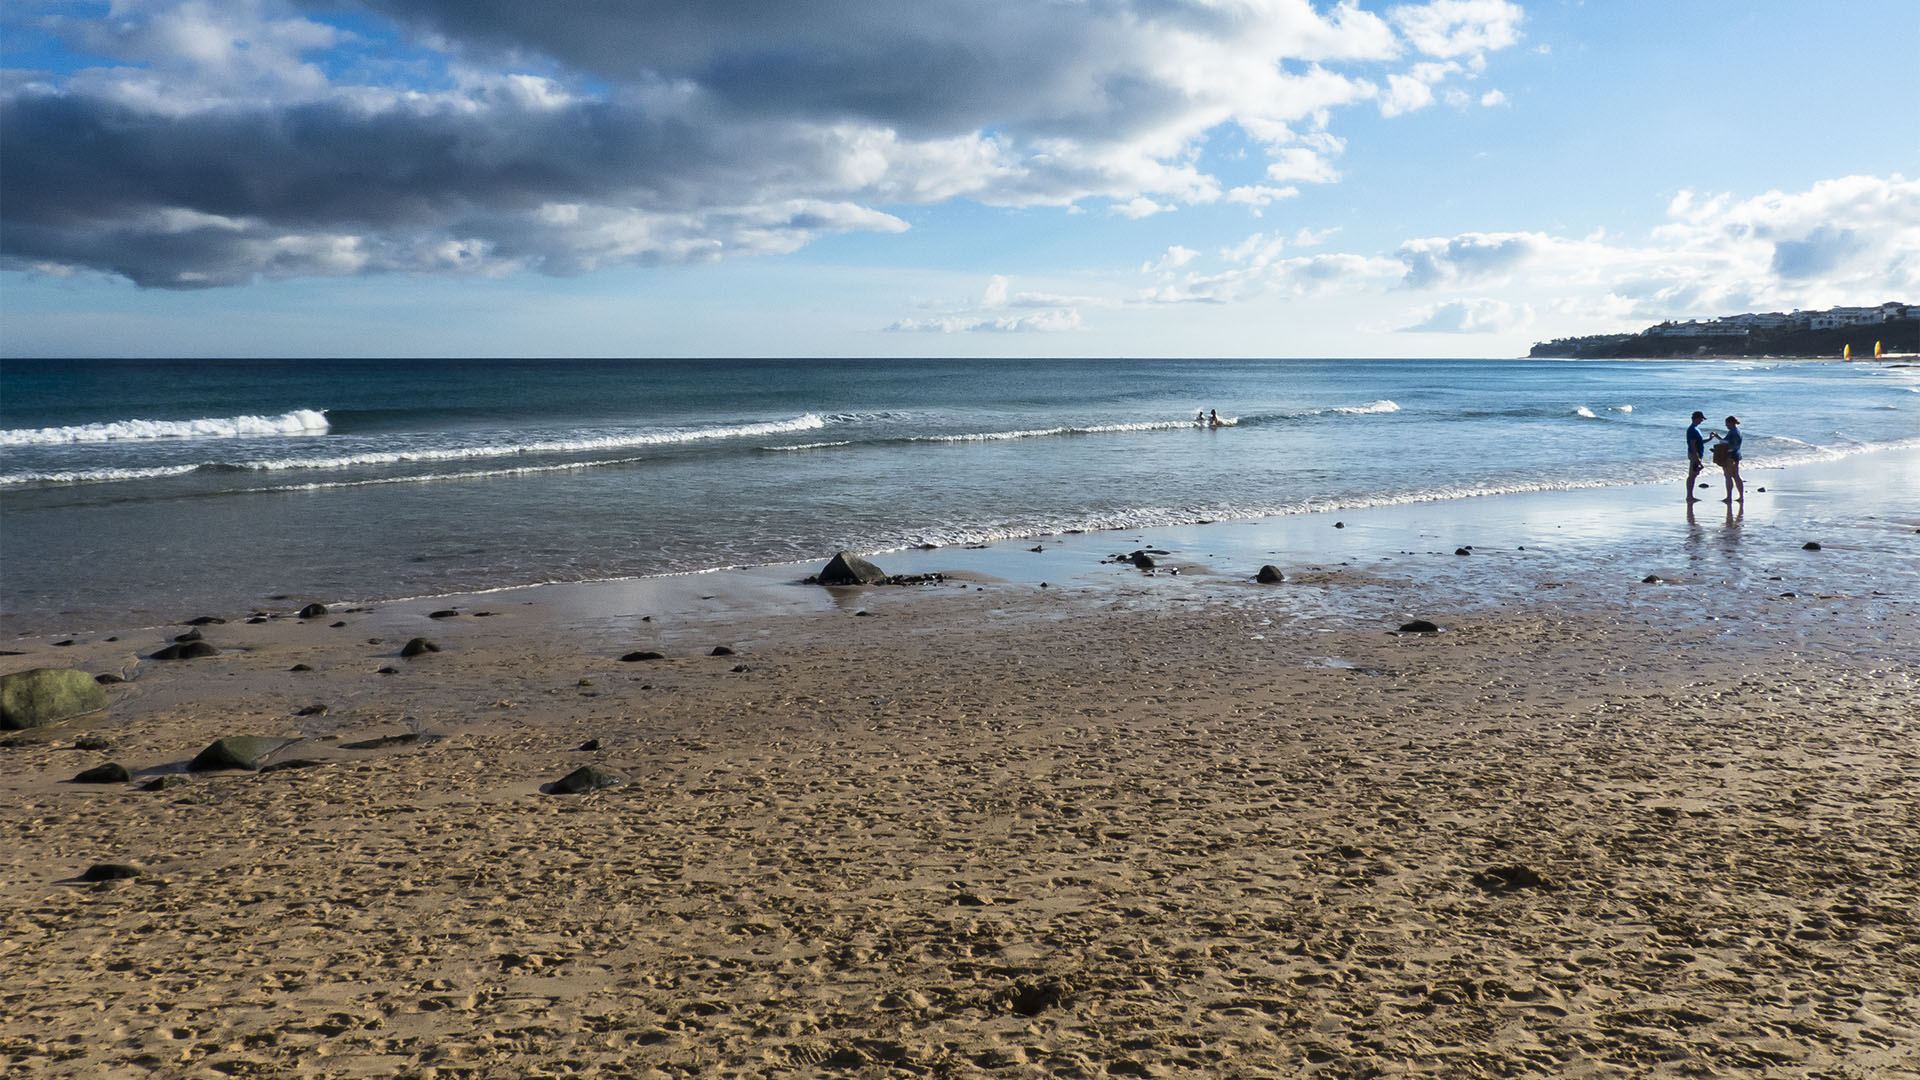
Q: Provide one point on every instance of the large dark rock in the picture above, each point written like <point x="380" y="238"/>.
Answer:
<point x="417" y="647"/>
<point x="1269" y="575"/>
<point x="238" y="752"/>
<point x="187" y="650"/>
<point x="584" y="779"/>
<point x="846" y="568"/>
<point x="108" y="871"/>
<point x="312" y="611"/>
<point x="47" y="696"/>
<point x="110" y="773"/>
<point x="642" y="654"/>
<point x="206" y="620"/>
<point x="1419" y="626"/>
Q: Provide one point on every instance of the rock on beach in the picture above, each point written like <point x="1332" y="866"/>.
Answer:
<point x="584" y="779"/>
<point x="238" y="752"/>
<point x="187" y="650"/>
<point x="846" y="568"/>
<point x="47" y="696"/>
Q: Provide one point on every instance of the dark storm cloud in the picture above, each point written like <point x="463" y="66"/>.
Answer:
<point x="102" y="184"/>
<point x="488" y="136"/>
<point x="67" y="159"/>
<point x="927" y="67"/>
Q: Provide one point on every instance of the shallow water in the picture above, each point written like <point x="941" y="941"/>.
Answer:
<point x="169" y="486"/>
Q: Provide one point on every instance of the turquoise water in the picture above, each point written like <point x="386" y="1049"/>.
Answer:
<point x="180" y="486"/>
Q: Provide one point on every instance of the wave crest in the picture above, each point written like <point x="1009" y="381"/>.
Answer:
<point x="297" y="422"/>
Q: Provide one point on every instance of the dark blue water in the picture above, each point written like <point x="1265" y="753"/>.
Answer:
<point x="165" y="486"/>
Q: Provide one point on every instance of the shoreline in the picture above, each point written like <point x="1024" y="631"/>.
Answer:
<point x="1124" y="825"/>
<point x="1219" y="548"/>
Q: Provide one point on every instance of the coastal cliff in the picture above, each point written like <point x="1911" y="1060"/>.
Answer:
<point x="1894" y="336"/>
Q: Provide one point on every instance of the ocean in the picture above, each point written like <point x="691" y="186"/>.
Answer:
<point x="172" y="487"/>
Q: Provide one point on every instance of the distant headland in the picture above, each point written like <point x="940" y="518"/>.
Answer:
<point x="1835" y="332"/>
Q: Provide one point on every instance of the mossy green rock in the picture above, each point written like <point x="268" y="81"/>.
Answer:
<point x="47" y="696"/>
<point x="238" y="752"/>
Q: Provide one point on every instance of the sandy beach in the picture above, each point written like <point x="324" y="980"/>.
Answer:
<point x="1119" y="825"/>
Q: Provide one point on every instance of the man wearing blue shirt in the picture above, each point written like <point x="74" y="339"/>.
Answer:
<point x="1696" y="450"/>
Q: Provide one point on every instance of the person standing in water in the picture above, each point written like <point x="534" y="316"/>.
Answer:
<point x="1730" y="461"/>
<point x="1696" y="453"/>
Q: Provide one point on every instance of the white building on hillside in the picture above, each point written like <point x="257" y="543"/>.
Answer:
<point x="1855" y="316"/>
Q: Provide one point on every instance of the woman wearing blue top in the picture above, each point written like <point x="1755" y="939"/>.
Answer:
<point x="1730" y="460"/>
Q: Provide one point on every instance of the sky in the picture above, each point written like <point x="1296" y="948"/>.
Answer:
<point x="1182" y="178"/>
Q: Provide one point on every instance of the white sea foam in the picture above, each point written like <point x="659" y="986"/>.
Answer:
<point x="1585" y="413"/>
<point x="297" y="422"/>
<point x="454" y="453"/>
<point x="1381" y="406"/>
<point x="810" y="445"/>
<point x="1038" y="433"/>
<point x="549" y="446"/>
<point x="94" y="476"/>
<point x="421" y="478"/>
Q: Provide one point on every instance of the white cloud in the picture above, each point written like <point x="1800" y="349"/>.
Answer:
<point x="1264" y="275"/>
<point x="1044" y="322"/>
<point x="996" y="294"/>
<point x="1493" y="98"/>
<point x="1851" y="240"/>
<point x="1174" y="258"/>
<point x="1438" y="261"/>
<point x="1404" y="95"/>
<point x="1478" y="315"/>
<point x="1000" y="310"/>
<point x="1139" y="208"/>
<point x="1301" y="163"/>
<point x="1259" y="195"/>
<point x="1449" y="28"/>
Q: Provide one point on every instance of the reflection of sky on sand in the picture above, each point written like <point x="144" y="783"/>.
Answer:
<point x="1729" y="566"/>
<point x="1592" y="547"/>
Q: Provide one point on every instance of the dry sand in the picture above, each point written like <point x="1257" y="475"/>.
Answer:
<point x="1011" y="833"/>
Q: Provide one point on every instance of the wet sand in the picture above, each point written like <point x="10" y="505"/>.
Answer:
<point x="1124" y="825"/>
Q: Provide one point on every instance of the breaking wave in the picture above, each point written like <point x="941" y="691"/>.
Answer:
<point x="297" y="422"/>
<point x="427" y="455"/>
